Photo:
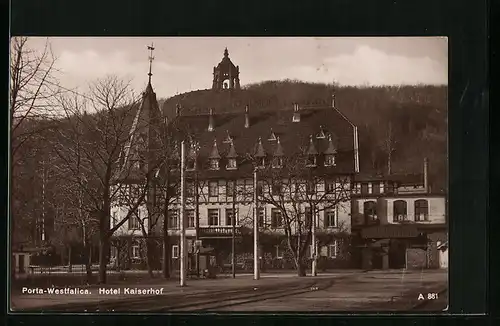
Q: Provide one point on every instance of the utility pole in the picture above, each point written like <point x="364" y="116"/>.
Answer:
<point x="256" y="271"/>
<point x="314" y="271"/>
<point x="183" y="251"/>
<point x="233" y="242"/>
<point x="197" y="222"/>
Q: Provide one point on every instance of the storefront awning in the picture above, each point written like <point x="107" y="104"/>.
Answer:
<point x="390" y="232"/>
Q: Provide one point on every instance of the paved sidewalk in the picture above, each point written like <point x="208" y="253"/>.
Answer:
<point x="91" y="294"/>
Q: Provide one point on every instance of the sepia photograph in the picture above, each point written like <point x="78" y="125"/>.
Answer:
<point x="228" y="174"/>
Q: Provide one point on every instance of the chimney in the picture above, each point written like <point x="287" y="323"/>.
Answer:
<point x="296" y="114"/>
<point x="211" y="123"/>
<point x="247" y="118"/>
<point x="177" y="110"/>
<point x="426" y="175"/>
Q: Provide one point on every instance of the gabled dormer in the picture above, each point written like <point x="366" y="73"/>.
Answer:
<point x="214" y="157"/>
<point x="232" y="158"/>
<point x="278" y="155"/>
<point x="260" y="154"/>
<point x="312" y="153"/>
<point x="330" y="152"/>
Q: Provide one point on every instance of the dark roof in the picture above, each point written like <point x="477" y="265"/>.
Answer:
<point x="294" y="137"/>
<point x="402" y="179"/>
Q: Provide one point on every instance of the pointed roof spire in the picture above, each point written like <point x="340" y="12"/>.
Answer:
<point x="226" y="53"/>
<point x="312" y="149"/>
<point x="151" y="58"/>
<point x="259" y="150"/>
<point x="214" y="154"/>
<point x="331" y="149"/>
<point x="279" y="149"/>
<point x="232" y="151"/>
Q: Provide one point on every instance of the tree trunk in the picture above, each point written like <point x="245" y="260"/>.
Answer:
<point x="301" y="268"/>
<point x="70" y="265"/>
<point x="149" y="256"/>
<point x="103" y="258"/>
<point x="87" y="258"/>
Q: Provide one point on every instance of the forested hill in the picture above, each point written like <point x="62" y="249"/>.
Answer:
<point x="410" y="120"/>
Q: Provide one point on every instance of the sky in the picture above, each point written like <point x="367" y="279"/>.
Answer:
<point x="183" y="64"/>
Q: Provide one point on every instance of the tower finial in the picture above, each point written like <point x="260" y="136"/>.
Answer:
<point x="226" y="52"/>
<point x="151" y="58"/>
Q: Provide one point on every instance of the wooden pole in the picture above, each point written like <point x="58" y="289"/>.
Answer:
<point x="313" y="240"/>
<point x="233" y="240"/>
<point x="197" y="217"/>
<point x="183" y="251"/>
<point x="256" y="274"/>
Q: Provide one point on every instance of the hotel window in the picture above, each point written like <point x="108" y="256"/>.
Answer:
<point x="136" y="251"/>
<point x="114" y="251"/>
<point x="311" y="187"/>
<point x="175" y="251"/>
<point x="279" y="252"/>
<point x="329" y="160"/>
<point x="330" y="218"/>
<point x="133" y="221"/>
<point x="330" y="186"/>
<point x="214" y="164"/>
<point x="262" y="216"/>
<point x="190" y="218"/>
<point x="261" y="162"/>
<point x="308" y="217"/>
<point x="277" y="162"/>
<point x="364" y="188"/>
<point x="229" y="217"/>
<point x="114" y="218"/>
<point x="189" y="189"/>
<point x="173" y="219"/>
<point x="332" y="249"/>
<point x="400" y="210"/>
<point x="370" y="211"/>
<point x="213" y="217"/>
<point x="375" y="188"/>
<point x="276" y="218"/>
<point x="213" y="189"/>
<point x="230" y="189"/>
<point x="190" y="164"/>
<point x="231" y="164"/>
<point x="421" y="210"/>
<point x="311" y="160"/>
<point x="276" y="189"/>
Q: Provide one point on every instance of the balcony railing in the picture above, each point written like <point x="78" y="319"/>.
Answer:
<point x="218" y="231"/>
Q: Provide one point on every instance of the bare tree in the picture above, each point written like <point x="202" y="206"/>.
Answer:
<point x="299" y="192"/>
<point x="33" y="89"/>
<point x="90" y="145"/>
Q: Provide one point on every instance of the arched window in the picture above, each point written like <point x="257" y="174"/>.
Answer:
<point x="400" y="210"/>
<point x="370" y="212"/>
<point x="421" y="210"/>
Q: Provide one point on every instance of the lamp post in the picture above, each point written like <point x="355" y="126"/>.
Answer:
<point x="256" y="272"/>
<point x="183" y="251"/>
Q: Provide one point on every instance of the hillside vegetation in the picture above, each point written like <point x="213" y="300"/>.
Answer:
<point x="407" y="122"/>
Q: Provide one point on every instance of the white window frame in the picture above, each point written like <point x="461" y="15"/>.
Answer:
<point x="335" y="217"/>
<point x="210" y="183"/>
<point x="188" y="218"/>
<point x="229" y="210"/>
<point x="177" y="215"/>
<point x="330" y="160"/>
<point x="135" y="217"/>
<point x="214" y="164"/>
<point x="209" y="210"/>
<point x="278" y="256"/>
<point x="230" y="166"/>
<point x="262" y="211"/>
<point x="335" y="247"/>
<point x="280" y="226"/>
<point x="175" y="248"/>
<point x="136" y="251"/>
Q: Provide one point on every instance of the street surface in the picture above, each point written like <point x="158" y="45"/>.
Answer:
<point x="374" y="291"/>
